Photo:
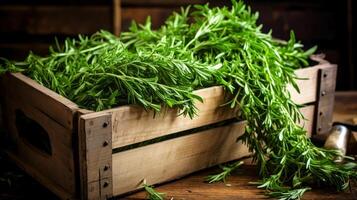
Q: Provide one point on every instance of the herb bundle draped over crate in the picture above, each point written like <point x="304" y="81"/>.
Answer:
<point x="159" y="69"/>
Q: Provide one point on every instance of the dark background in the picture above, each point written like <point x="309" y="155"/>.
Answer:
<point x="32" y="25"/>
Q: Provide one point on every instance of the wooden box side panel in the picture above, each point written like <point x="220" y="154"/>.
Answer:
<point x="49" y="102"/>
<point x="174" y="158"/>
<point x="132" y="124"/>
<point x="54" y="169"/>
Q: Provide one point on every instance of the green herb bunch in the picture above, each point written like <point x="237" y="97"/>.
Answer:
<point x="99" y="72"/>
<point x="209" y="46"/>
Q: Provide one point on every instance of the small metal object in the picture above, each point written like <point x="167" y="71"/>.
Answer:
<point x="105" y="124"/>
<point x="105" y="143"/>
<point x="338" y="140"/>
<point x="105" y="184"/>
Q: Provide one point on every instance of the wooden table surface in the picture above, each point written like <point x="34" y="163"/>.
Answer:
<point x="237" y="186"/>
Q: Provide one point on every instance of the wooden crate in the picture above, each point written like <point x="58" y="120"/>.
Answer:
<point x="84" y="154"/>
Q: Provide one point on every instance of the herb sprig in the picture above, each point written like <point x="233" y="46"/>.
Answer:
<point x="153" y="194"/>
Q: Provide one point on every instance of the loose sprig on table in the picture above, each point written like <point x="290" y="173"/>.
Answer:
<point x="152" y="193"/>
<point x="206" y="47"/>
<point x="226" y="172"/>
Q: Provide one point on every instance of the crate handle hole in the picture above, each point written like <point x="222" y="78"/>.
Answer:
<point x="32" y="132"/>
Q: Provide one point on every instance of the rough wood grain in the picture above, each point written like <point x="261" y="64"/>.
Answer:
<point x="309" y="114"/>
<point x="325" y="99"/>
<point x="49" y="102"/>
<point x="308" y="84"/>
<point x="133" y="124"/>
<point x="174" y="158"/>
<point x="95" y="156"/>
<point x="56" y="171"/>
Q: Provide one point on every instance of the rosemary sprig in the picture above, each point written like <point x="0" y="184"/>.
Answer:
<point x="289" y="194"/>
<point x="226" y="171"/>
<point x="153" y="194"/>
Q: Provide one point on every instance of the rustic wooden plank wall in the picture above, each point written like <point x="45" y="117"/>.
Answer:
<point x="32" y="25"/>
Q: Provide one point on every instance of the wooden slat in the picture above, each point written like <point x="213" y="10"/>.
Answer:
<point x="52" y="104"/>
<point x="55" y="171"/>
<point x="55" y="19"/>
<point x="133" y="124"/>
<point x="309" y="86"/>
<point x="174" y="158"/>
<point x="95" y="156"/>
<point x="117" y="17"/>
<point x="309" y="114"/>
<point x="325" y="100"/>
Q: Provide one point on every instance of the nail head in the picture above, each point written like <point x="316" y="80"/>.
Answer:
<point x="105" y="124"/>
<point x="105" y="143"/>
<point x="105" y="184"/>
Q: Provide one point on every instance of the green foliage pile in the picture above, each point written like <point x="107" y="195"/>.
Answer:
<point x="206" y="47"/>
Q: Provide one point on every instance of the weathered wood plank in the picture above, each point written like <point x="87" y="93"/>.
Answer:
<point x="133" y="124"/>
<point x="55" y="19"/>
<point x="47" y="101"/>
<point x="325" y="100"/>
<point x="174" y="158"/>
<point x="309" y="114"/>
<point x="308" y="84"/>
<point x="95" y="156"/>
<point x="39" y="163"/>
